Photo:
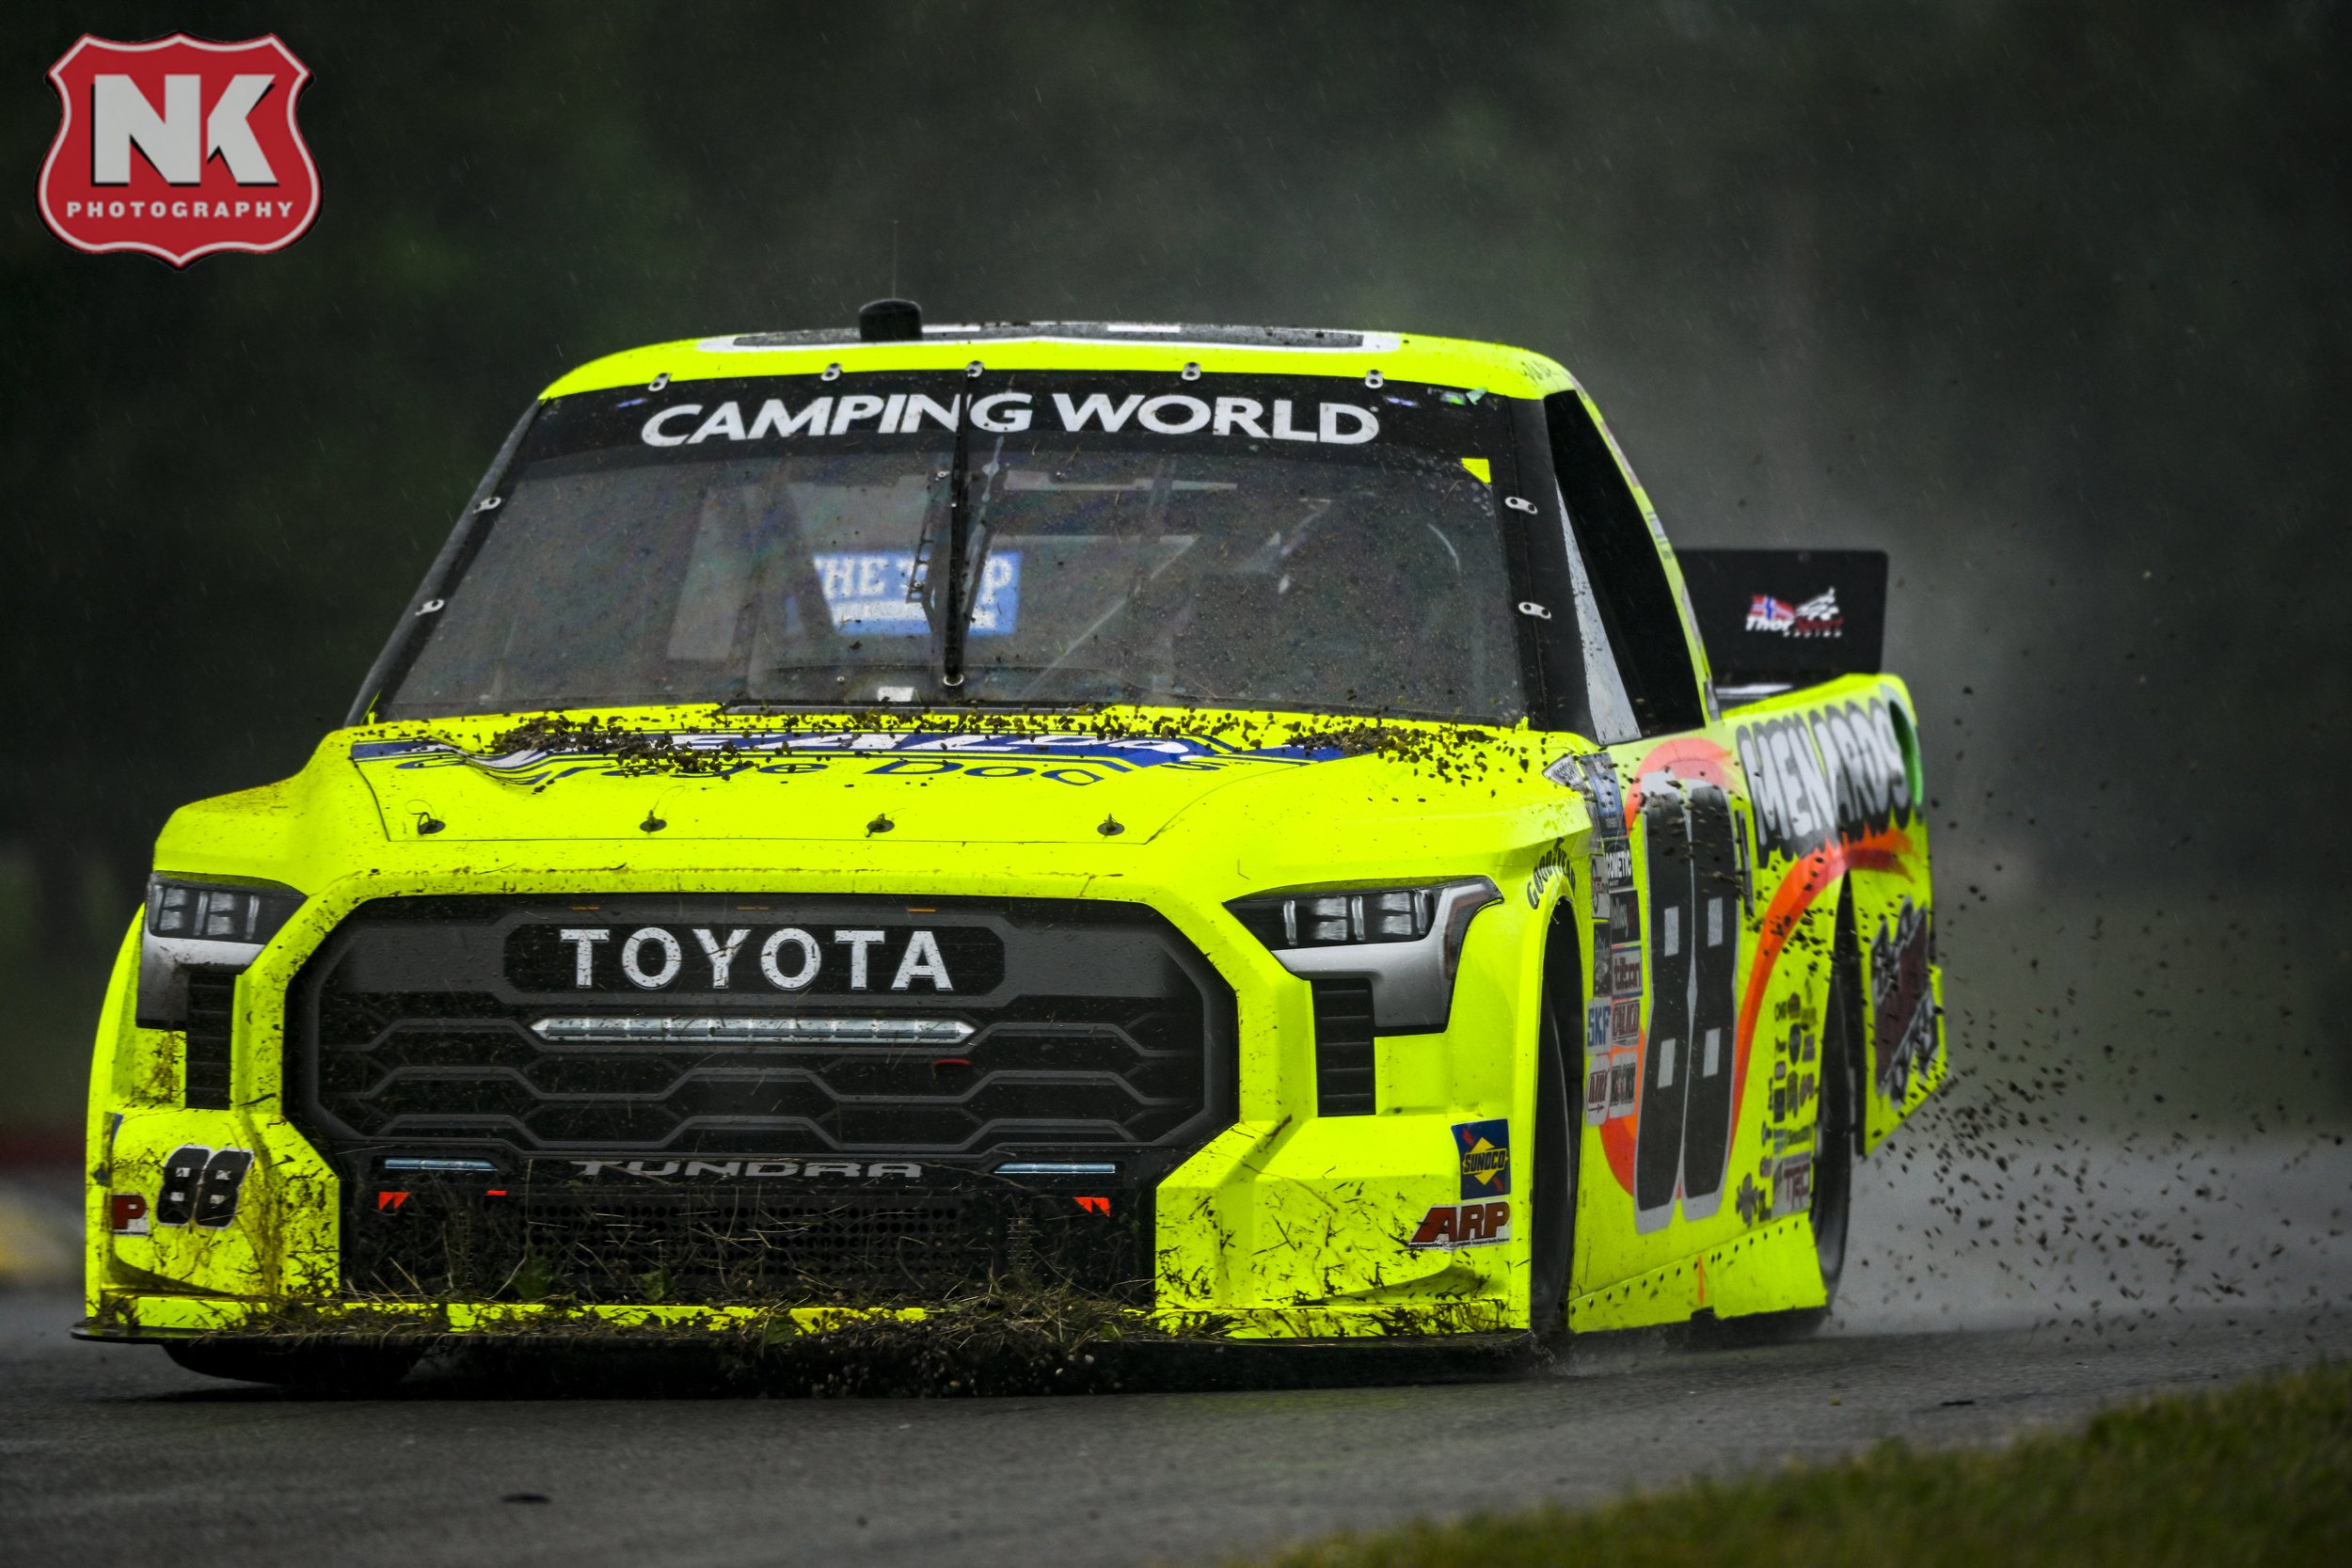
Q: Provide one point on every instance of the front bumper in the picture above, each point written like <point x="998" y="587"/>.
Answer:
<point x="1284" y="1225"/>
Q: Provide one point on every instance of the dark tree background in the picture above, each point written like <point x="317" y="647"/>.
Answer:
<point x="2049" y="300"/>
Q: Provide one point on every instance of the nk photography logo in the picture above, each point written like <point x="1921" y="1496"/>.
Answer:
<point x="179" y="148"/>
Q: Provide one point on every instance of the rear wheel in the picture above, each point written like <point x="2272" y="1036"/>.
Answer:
<point x="311" y="1368"/>
<point x="1841" y="1095"/>
<point x="1834" y="1141"/>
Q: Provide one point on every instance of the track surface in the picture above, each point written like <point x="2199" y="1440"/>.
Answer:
<point x="110" y="1455"/>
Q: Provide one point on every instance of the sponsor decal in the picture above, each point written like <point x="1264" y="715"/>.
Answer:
<point x="866" y="591"/>
<point x="1486" y="1151"/>
<point x="1625" y="1083"/>
<point x="1902" y="1002"/>
<point x="1754" y="1203"/>
<point x="1833" y="774"/>
<point x="1062" y="759"/>
<point x="887" y="412"/>
<point x="201" y="1185"/>
<point x="179" y="148"/>
<point x="1817" y="616"/>
<point x="748" y="1170"/>
<point x="1551" y="865"/>
<point x="1793" y="1184"/>
<point x="1450" y="1225"/>
<point x="1596" y="1087"/>
<point x="828" y="960"/>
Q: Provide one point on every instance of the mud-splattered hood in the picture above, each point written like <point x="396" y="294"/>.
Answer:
<point x="916" y="785"/>
<point x="1260" y="799"/>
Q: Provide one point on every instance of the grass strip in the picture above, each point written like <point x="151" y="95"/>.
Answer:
<point x="2258" y="1473"/>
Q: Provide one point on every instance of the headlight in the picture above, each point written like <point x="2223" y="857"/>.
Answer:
<point x="213" y="925"/>
<point x="1407" y="941"/>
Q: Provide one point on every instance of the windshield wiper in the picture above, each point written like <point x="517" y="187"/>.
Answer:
<point x="949" y="631"/>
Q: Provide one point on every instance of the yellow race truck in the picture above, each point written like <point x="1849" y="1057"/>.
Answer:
<point x="1255" y="828"/>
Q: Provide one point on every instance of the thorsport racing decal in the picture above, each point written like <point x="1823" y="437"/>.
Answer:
<point x="1819" y="616"/>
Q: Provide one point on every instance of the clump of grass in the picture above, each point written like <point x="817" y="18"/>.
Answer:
<point x="2261" y="1473"/>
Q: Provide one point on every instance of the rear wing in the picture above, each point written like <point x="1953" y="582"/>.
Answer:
<point x="1774" y="620"/>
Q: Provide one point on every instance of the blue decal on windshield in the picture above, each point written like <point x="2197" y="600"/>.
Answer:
<point x="866" y="591"/>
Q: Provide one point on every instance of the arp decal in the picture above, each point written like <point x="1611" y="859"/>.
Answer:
<point x="201" y="1185"/>
<point x="1834" y="774"/>
<point x="1902" y="1002"/>
<point x="1450" y="1225"/>
<point x="1486" y="1150"/>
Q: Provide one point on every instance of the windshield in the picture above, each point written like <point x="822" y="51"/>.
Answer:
<point x="1249" y="542"/>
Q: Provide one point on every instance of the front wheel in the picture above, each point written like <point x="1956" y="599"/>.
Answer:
<point x="1551" y="1194"/>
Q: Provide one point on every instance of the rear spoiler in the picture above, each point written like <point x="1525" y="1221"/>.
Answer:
<point x="1774" y="620"/>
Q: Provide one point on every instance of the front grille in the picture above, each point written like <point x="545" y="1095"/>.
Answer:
<point x="1343" y="1051"/>
<point x="211" y="1019"/>
<point x="490" y="1030"/>
<point x="644" y="1244"/>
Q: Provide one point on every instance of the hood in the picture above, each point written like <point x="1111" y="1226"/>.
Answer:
<point x="915" y="781"/>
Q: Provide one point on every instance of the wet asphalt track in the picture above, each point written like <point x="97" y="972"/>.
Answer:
<point x="112" y="1455"/>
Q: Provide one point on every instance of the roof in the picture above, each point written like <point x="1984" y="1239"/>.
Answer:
<point x="1088" y="346"/>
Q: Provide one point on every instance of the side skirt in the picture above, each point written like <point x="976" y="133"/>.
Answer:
<point x="1769" y="1269"/>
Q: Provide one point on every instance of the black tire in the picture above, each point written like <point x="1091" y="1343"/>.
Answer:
<point x="1835" y="1144"/>
<point x="1551" y="1195"/>
<point x="342" y="1370"/>
<point x="1838" y="1137"/>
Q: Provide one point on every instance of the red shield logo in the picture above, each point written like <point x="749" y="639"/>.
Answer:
<point x="179" y="148"/>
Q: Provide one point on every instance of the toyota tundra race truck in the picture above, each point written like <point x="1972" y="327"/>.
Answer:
<point x="1253" y="827"/>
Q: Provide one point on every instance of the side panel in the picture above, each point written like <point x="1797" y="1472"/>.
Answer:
<point x="1736" y="844"/>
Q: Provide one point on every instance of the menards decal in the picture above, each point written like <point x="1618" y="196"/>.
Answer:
<point x="1836" y="773"/>
<point x="1069" y="759"/>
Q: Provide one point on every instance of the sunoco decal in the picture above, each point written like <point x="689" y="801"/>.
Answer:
<point x="1486" y="1150"/>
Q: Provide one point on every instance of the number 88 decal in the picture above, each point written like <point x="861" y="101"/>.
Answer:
<point x="1683" y="1126"/>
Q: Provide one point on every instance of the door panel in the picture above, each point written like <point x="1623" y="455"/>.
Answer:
<point x="1715" y="915"/>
